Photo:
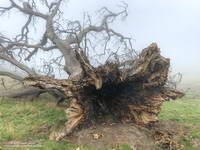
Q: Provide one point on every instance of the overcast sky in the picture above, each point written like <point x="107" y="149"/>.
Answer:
<point x="173" y="24"/>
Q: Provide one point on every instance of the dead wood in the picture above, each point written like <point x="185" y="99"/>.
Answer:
<point x="32" y="93"/>
<point x="131" y="94"/>
<point x="128" y="95"/>
<point x="21" y="92"/>
<point x="130" y="88"/>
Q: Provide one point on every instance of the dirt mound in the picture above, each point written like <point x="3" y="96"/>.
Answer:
<point x="139" y="138"/>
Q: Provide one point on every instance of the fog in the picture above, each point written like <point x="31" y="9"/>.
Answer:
<point x="173" y="24"/>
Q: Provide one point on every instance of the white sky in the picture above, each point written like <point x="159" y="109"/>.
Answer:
<point x="173" y="24"/>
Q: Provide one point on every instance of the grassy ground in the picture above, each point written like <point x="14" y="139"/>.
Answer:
<point x="186" y="112"/>
<point x="30" y="121"/>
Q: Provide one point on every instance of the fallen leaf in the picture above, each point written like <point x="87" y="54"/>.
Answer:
<point x="97" y="136"/>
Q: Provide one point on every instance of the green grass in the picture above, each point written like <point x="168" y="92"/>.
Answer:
<point x="186" y="144"/>
<point x="185" y="111"/>
<point x="18" y="120"/>
<point x="29" y="121"/>
<point x="26" y="121"/>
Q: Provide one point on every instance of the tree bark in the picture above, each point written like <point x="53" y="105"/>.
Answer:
<point x="72" y="65"/>
<point x="23" y="92"/>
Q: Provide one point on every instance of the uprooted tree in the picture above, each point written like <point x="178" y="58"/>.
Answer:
<point x="128" y="86"/>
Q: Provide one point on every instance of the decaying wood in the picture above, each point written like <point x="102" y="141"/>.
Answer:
<point x="134" y="94"/>
<point x="21" y="92"/>
<point x="165" y="139"/>
<point x="129" y="91"/>
<point x="31" y="93"/>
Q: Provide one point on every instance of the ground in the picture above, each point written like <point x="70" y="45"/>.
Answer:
<point x="31" y="122"/>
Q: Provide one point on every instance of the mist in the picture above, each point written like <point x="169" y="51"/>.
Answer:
<point x="173" y="25"/>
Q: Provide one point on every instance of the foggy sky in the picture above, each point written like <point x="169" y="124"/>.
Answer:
<point x="173" y="24"/>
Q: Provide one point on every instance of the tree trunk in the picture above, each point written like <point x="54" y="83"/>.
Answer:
<point x="72" y="65"/>
<point x="132" y="94"/>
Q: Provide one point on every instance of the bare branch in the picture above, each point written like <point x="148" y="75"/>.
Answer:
<point x="3" y="83"/>
<point x="64" y="38"/>
<point x="18" y="64"/>
<point x="28" y="10"/>
<point x="5" y="9"/>
<point x="22" y="92"/>
<point x="11" y="75"/>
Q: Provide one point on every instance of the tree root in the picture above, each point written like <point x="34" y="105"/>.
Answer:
<point x="130" y="94"/>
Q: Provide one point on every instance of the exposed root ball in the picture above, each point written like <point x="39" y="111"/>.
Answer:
<point x="133" y="93"/>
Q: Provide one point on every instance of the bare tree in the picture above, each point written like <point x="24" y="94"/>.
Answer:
<point x="130" y="86"/>
<point x="66" y="40"/>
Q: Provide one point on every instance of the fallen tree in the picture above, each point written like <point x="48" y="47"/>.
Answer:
<point x="128" y="90"/>
<point x="132" y="95"/>
<point x="32" y="93"/>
